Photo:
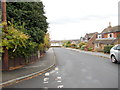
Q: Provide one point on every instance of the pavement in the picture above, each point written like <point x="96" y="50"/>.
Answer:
<point x="100" y="54"/>
<point x="39" y="67"/>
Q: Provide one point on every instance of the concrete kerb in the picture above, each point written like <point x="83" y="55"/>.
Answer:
<point x="90" y="54"/>
<point x="26" y="77"/>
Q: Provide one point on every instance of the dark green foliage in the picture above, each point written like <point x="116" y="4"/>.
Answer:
<point x="68" y="44"/>
<point x="118" y="36"/>
<point x="29" y="18"/>
<point x="32" y="15"/>
<point x="107" y="48"/>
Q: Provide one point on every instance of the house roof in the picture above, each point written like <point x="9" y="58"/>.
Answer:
<point x="111" y="29"/>
<point x="108" y="41"/>
<point x="89" y="35"/>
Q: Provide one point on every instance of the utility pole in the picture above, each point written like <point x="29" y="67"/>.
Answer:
<point x="5" y="55"/>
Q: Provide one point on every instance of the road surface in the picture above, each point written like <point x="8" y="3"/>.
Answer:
<point x="76" y="70"/>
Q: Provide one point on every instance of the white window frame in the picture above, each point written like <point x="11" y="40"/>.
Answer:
<point x="111" y="34"/>
<point x="99" y="36"/>
<point x="97" y="45"/>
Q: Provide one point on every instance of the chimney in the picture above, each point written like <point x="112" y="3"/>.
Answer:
<point x="109" y="25"/>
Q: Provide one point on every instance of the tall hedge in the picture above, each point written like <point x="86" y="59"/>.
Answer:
<point x="31" y="14"/>
<point x="28" y="17"/>
<point x="107" y="48"/>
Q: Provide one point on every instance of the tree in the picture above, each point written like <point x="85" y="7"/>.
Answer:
<point x="29" y="18"/>
<point x="47" y="40"/>
<point x="32" y="15"/>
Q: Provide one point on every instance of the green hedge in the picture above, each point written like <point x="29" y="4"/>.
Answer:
<point x="81" y="44"/>
<point x="83" y="47"/>
<point x="90" y="49"/>
<point x="107" y="48"/>
<point x="73" y="46"/>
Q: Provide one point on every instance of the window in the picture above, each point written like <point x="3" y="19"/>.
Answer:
<point x="99" y="36"/>
<point x="110" y="35"/>
<point x="97" y="45"/>
<point x="116" y="47"/>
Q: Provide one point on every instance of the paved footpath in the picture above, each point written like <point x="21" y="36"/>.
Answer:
<point x="91" y="53"/>
<point x="46" y="62"/>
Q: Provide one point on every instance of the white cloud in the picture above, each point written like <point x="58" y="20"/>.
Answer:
<point x="70" y="19"/>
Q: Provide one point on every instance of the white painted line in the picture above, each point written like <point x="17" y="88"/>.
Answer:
<point x="60" y="86"/>
<point x="58" y="77"/>
<point x="47" y="74"/>
<point x="46" y="87"/>
<point x="53" y="71"/>
<point x="56" y="68"/>
<point x="56" y="72"/>
<point x="45" y="82"/>
<point x="59" y="81"/>
<point x="46" y="79"/>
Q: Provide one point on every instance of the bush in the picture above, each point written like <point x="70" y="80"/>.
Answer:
<point x="107" y="48"/>
<point x="83" y="47"/>
<point x="73" y="45"/>
<point x="90" y="49"/>
<point x="68" y="45"/>
<point x="81" y="44"/>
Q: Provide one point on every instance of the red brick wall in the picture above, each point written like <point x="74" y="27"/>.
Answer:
<point x="105" y="35"/>
<point x="115" y="34"/>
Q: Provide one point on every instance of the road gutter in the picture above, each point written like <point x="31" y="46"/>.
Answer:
<point x="88" y="53"/>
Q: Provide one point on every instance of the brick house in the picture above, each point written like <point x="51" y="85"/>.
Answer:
<point x="87" y="37"/>
<point x="109" y="36"/>
<point x="90" y="43"/>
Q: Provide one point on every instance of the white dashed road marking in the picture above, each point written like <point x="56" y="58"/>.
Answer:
<point x="53" y="71"/>
<point x="46" y="88"/>
<point x="56" y="72"/>
<point x="59" y="81"/>
<point x="56" y="69"/>
<point x="45" y="82"/>
<point x="60" y="86"/>
<point x="46" y="79"/>
<point x="47" y="74"/>
<point x="58" y="78"/>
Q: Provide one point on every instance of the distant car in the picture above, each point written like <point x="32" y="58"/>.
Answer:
<point x="115" y="53"/>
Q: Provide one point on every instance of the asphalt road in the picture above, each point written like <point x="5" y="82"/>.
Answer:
<point x="76" y="70"/>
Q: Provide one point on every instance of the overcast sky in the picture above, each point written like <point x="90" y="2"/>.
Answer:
<point x="71" y="19"/>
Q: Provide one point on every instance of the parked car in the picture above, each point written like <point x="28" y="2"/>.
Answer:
<point x="115" y="53"/>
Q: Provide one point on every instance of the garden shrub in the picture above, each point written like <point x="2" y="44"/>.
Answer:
<point x="68" y="45"/>
<point x="73" y="45"/>
<point x="107" y="48"/>
<point x="81" y="44"/>
<point x="90" y="49"/>
<point x="83" y="47"/>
